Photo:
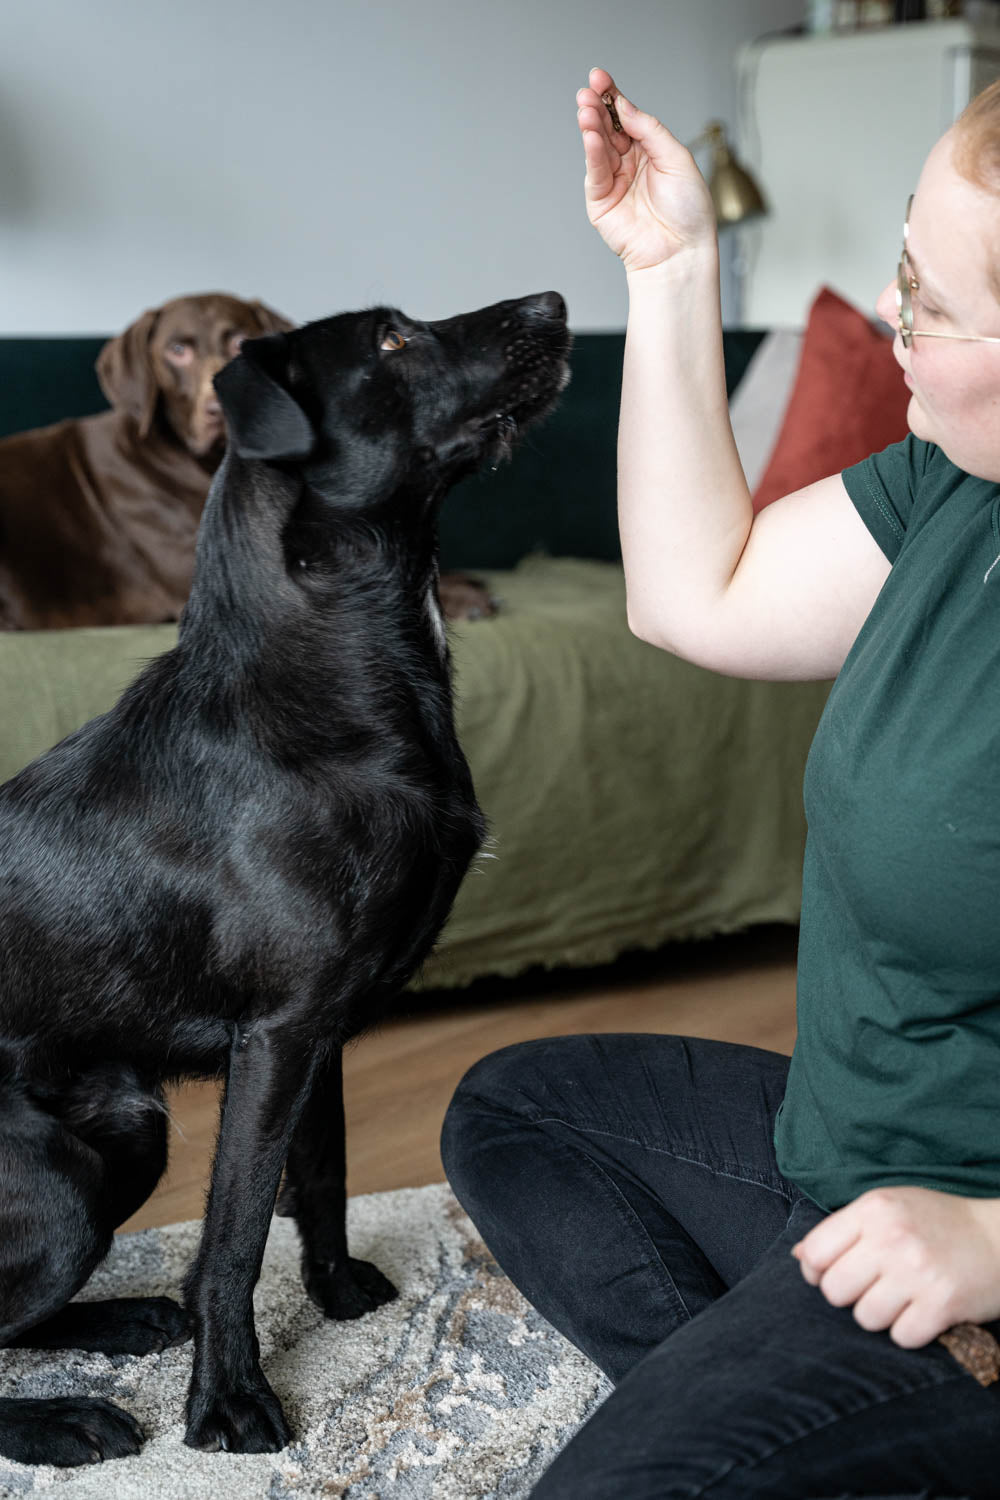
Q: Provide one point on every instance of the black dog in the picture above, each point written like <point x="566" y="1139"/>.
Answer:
<point x="239" y="866"/>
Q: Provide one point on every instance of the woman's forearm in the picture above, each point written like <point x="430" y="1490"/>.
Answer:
<point x="684" y="507"/>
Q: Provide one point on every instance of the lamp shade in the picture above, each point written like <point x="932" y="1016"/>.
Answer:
<point x="734" y="193"/>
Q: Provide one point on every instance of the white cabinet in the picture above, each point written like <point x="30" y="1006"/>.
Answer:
<point x="836" y="129"/>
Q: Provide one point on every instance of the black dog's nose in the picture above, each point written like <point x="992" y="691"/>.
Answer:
<point x="548" y="305"/>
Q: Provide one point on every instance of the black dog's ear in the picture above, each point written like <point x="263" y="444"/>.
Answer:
<point x="263" y="419"/>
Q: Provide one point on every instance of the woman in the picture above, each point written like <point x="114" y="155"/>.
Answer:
<point x="766" y="1293"/>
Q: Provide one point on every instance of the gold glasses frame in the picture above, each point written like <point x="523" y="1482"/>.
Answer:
<point x="905" y="281"/>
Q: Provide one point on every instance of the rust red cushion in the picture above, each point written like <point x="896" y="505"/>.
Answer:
<point x="848" y="400"/>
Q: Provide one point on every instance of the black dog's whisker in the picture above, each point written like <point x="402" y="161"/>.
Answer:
<point x="506" y="436"/>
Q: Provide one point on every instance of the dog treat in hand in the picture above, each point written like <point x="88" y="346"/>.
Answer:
<point x="608" y="100"/>
<point x="975" y="1350"/>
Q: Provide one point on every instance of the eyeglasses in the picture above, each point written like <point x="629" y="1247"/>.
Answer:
<point x="905" y="281"/>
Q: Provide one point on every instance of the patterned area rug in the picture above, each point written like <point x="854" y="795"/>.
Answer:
<point x="458" y="1390"/>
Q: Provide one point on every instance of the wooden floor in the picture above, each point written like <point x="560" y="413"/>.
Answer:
<point x="398" y="1080"/>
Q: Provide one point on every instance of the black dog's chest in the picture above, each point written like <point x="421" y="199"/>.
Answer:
<point x="364" y="884"/>
<point x="162" y="947"/>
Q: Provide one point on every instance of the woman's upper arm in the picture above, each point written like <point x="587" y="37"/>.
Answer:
<point x="804" y="585"/>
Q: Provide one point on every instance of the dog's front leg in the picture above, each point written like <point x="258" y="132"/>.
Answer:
<point x="230" y="1404"/>
<point x="316" y="1193"/>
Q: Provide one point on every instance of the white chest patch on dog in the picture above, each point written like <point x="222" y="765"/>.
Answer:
<point x="437" y="618"/>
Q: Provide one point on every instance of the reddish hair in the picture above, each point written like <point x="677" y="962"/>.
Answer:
<point x="976" y="153"/>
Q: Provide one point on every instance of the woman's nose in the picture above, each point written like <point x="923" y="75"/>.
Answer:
<point x="886" y="306"/>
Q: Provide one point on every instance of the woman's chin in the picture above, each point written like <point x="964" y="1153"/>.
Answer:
<point x="916" y="420"/>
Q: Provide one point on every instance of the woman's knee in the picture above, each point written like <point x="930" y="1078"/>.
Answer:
<point x="520" y="1080"/>
<point x="491" y="1127"/>
<point x="494" y="1090"/>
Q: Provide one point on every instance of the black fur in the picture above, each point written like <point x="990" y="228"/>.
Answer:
<point x="239" y="866"/>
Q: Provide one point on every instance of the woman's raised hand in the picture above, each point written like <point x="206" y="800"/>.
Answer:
<point x="643" y="190"/>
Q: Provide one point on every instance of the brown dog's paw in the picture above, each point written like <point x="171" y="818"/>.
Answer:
<point x="348" y="1290"/>
<point x="465" y="598"/>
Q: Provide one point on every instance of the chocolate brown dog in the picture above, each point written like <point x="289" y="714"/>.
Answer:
<point x="239" y="866"/>
<point x="98" y="515"/>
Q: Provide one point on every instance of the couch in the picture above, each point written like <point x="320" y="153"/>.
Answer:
<point x="632" y="798"/>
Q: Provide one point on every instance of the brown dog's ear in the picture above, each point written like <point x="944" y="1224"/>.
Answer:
<point x="269" y="320"/>
<point x="125" y="371"/>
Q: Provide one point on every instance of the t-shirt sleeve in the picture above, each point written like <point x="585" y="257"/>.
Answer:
<point x="884" y="488"/>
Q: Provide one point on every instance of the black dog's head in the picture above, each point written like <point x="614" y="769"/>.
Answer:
<point x="371" y="405"/>
<point x="343" y="437"/>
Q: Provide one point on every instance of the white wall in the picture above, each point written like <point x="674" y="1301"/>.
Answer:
<point x="324" y="154"/>
<point x="837" y="205"/>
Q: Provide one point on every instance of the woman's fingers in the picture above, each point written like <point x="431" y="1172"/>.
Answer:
<point x="600" y="166"/>
<point x="602" y="82"/>
<point x="851" y="1276"/>
<point x="917" y="1323"/>
<point x="827" y="1240"/>
<point x="593" y="114"/>
<point x="603" y="146"/>
<point x="602" y="87"/>
<point x="881" y="1305"/>
<point x="664" y="150"/>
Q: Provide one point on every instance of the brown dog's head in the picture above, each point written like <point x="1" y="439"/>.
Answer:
<point x="163" y="364"/>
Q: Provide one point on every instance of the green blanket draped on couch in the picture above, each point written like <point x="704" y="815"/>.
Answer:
<point x="631" y="797"/>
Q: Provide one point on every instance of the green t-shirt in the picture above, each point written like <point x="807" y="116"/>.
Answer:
<point x="896" y="1072"/>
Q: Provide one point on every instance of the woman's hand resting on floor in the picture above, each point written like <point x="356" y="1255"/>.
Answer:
<point x="912" y="1260"/>
<point x="644" y="192"/>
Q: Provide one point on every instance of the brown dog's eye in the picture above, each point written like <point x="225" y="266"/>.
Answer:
<point x="392" y="340"/>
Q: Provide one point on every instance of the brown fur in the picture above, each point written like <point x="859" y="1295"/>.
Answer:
<point x="98" y="516"/>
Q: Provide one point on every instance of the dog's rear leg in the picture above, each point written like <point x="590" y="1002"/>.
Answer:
<point x="316" y="1192"/>
<point x="52" y="1235"/>
<point x="126" y="1125"/>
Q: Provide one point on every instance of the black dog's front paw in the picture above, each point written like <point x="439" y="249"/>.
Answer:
<point x="66" y="1431"/>
<point x="348" y="1289"/>
<point x="238" y="1422"/>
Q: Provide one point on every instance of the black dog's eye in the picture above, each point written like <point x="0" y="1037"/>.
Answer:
<point x="392" y="340"/>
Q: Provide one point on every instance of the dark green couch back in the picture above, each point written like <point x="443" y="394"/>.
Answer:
<point x="556" y="496"/>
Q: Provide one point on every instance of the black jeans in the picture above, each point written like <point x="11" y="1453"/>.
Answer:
<point x="628" y="1187"/>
